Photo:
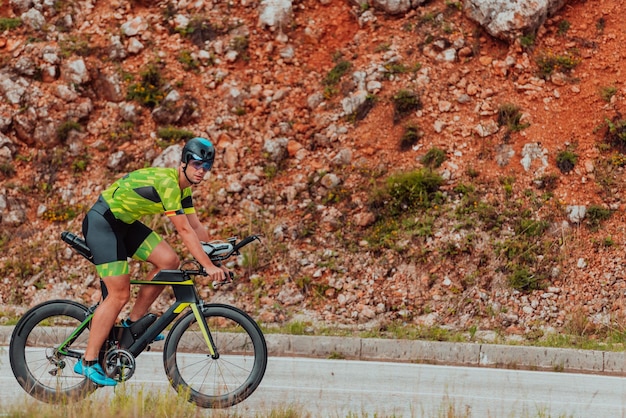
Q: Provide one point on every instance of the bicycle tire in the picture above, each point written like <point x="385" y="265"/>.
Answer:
<point x="242" y="357"/>
<point x="42" y="372"/>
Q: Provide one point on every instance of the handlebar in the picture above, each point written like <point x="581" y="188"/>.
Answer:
<point x="247" y="240"/>
<point x="219" y="251"/>
<point x="229" y="276"/>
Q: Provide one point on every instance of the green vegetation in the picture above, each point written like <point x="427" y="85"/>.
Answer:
<point x="383" y="47"/>
<point x="510" y="115"/>
<point x="187" y="60"/>
<point x="9" y="23"/>
<point x="563" y="27"/>
<point x="434" y="157"/>
<point x="75" y="45"/>
<point x="123" y="404"/>
<point x="80" y="163"/>
<point x="66" y="127"/>
<point x="399" y="68"/>
<point x="596" y="215"/>
<point x="334" y="76"/>
<point x="400" y="204"/>
<point x="172" y="134"/>
<point x="122" y="133"/>
<point x="578" y="331"/>
<point x="549" y="63"/>
<point x="410" y="137"/>
<point x="618" y="159"/>
<point x="411" y="190"/>
<point x="7" y="169"/>
<point x="428" y="17"/>
<point x="62" y="212"/>
<point x="409" y="207"/>
<point x="338" y="71"/>
<point x="566" y="160"/>
<point x="527" y="41"/>
<point x="548" y="182"/>
<point x="271" y="170"/>
<point x="607" y="93"/>
<point x="149" y="92"/>
<point x="199" y="31"/>
<point x="616" y="132"/>
<point x="240" y="44"/>
<point x="454" y="5"/>
<point x="405" y="102"/>
<point x="521" y="279"/>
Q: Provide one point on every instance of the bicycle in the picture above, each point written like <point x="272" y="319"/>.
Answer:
<point x="215" y="354"/>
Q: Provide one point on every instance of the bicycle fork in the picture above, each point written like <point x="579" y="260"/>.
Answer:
<point x="206" y="332"/>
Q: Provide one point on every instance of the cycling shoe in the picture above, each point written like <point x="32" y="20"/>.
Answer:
<point x="94" y="373"/>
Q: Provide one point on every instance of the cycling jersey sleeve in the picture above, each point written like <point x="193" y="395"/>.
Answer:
<point x="178" y="203"/>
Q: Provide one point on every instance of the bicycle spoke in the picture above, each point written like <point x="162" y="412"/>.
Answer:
<point x="40" y="369"/>
<point x="233" y="374"/>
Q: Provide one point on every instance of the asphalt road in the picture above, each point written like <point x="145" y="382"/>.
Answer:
<point x="373" y="388"/>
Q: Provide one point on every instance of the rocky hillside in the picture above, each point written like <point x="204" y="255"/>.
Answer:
<point x="415" y="165"/>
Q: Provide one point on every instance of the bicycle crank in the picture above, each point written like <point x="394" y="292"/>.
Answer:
<point x="119" y="364"/>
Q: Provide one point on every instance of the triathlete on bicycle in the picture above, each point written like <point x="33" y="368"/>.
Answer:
<point x="114" y="233"/>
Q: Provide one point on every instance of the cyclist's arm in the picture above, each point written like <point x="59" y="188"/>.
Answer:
<point x="201" y="231"/>
<point x="192" y="242"/>
<point x="197" y="226"/>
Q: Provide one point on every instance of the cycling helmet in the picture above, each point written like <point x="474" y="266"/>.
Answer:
<point x="199" y="149"/>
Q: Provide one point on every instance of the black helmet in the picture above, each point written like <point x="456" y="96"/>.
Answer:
<point x="198" y="149"/>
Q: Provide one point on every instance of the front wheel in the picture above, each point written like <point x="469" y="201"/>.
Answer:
<point x="216" y="382"/>
<point x="44" y="371"/>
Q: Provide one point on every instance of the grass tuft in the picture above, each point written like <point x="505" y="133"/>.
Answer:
<point x="405" y="102"/>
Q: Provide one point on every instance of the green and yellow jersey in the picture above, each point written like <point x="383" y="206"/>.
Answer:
<point x="148" y="191"/>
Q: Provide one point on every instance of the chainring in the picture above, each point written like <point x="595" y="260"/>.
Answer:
<point x="119" y="364"/>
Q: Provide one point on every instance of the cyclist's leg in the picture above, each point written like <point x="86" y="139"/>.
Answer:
<point x="104" y="235"/>
<point x="105" y="316"/>
<point x="158" y="252"/>
<point x="103" y="320"/>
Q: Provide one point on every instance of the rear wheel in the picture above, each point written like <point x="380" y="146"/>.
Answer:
<point x="216" y="382"/>
<point x="39" y="367"/>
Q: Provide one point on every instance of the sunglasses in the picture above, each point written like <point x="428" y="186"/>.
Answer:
<point x="206" y="166"/>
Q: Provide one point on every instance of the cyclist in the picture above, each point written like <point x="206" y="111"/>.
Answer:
<point x="113" y="233"/>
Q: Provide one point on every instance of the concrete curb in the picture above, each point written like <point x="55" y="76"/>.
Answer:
<point x="435" y="352"/>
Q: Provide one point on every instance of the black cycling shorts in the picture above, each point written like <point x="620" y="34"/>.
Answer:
<point x="112" y="241"/>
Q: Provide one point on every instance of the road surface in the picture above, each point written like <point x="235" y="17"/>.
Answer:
<point x="357" y="388"/>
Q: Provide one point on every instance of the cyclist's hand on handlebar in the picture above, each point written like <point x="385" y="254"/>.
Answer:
<point x="227" y="275"/>
<point x="214" y="273"/>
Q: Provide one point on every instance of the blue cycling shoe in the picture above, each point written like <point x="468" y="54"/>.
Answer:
<point x="126" y="323"/>
<point x="94" y="373"/>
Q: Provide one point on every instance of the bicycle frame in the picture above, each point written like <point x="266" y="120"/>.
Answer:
<point x="186" y="296"/>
